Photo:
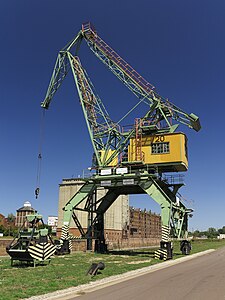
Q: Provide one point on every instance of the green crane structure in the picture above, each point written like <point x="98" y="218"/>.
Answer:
<point x="121" y="161"/>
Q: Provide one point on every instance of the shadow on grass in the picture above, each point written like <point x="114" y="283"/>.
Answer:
<point x="147" y="253"/>
<point x="177" y="255"/>
<point x="132" y="253"/>
<point x="28" y="264"/>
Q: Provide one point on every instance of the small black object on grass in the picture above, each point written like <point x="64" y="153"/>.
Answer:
<point x="94" y="268"/>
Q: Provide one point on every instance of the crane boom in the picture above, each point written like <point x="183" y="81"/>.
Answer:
<point x="106" y="137"/>
<point x="144" y="90"/>
<point x="161" y="110"/>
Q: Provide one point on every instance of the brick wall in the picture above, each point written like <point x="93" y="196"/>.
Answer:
<point x="79" y="245"/>
<point x="3" y="244"/>
<point x="144" y="224"/>
<point x="133" y="243"/>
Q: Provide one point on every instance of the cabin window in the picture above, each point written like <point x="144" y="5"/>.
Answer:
<point x="160" y="148"/>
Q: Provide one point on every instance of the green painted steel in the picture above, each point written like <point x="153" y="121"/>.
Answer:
<point x="105" y="134"/>
<point x="86" y="190"/>
<point x="32" y="244"/>
<point x="174" y="215"/>
<point x="110" y="142"/>
<point x="138" y="85"/>
<point x="154" y="191"/>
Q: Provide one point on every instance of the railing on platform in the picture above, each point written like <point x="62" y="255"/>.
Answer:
<point x="174" y="179"/>
<point x="91" y="34"/>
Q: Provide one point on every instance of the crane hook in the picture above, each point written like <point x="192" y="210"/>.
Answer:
<point x="37" y="190"/>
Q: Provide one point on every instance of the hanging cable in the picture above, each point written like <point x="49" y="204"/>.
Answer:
<point x="38" y="180"/>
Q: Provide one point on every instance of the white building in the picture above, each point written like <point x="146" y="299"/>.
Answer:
<point x="221" y="236"/>
<point x="53" y="222"/>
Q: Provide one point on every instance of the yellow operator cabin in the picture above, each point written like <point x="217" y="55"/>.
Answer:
<point x="167" y="151"/>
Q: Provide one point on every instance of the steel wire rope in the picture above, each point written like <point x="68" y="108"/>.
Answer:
<point x="39" y="162"/>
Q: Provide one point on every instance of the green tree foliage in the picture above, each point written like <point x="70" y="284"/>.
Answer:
<point x="7" y="226"/>
<point x="197" y="233"/>
<point x="211" y="233"/>
<point x="222" y="230"/>
<point x="11" y="218"/>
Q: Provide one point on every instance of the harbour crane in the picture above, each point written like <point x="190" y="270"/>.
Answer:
<point x="126" y="161"/>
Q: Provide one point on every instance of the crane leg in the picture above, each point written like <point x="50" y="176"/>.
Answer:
<point x="91" y="207"/>
<point x="174" y="216"/>
<point x="105" y="203"/>
<point x="64" y="245"/>
<point x="157" y="194"/>
<point x="100" y="245"/>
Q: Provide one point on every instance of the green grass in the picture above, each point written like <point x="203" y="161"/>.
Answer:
<point x="23" y="281"/>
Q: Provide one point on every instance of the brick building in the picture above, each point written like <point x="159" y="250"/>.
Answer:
<point x="3" y="220"/>
<point x="144" y="224"/>
<point x="22" y="212"/>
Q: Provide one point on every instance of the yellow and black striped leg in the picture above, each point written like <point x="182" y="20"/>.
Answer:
<point x="166" y="248"/>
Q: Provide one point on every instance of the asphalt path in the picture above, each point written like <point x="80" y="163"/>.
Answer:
<point x="201" y="278"/>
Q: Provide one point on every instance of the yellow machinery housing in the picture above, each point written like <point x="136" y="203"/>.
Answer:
<point x="168" y="151"/>
<point x="105" y="157"/>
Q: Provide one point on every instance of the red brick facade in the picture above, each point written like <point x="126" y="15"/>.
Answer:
<point x="144" y="229"/>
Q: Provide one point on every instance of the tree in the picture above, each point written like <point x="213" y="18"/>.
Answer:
<point x="7" y="225"/>
<point x="212" y="233"/>
<point x="11" y="218"/>
<point x="197" y="233"/>
<point x="222" y="230"/>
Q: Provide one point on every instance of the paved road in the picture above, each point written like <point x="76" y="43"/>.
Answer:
<point x="202" y="278"/>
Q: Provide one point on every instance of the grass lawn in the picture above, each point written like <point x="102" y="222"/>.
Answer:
<point x="23" y="281"/>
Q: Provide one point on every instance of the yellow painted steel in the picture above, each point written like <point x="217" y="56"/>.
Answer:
<point x="173" y="144"/>
<point x="105" y="157"/>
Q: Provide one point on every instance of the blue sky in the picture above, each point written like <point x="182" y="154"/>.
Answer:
<point x="176" y="45"/>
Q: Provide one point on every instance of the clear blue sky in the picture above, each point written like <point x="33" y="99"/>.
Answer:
<point x="178" y="46"/>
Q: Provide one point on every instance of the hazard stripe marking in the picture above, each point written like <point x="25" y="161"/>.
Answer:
<point x="42" y="251"/>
